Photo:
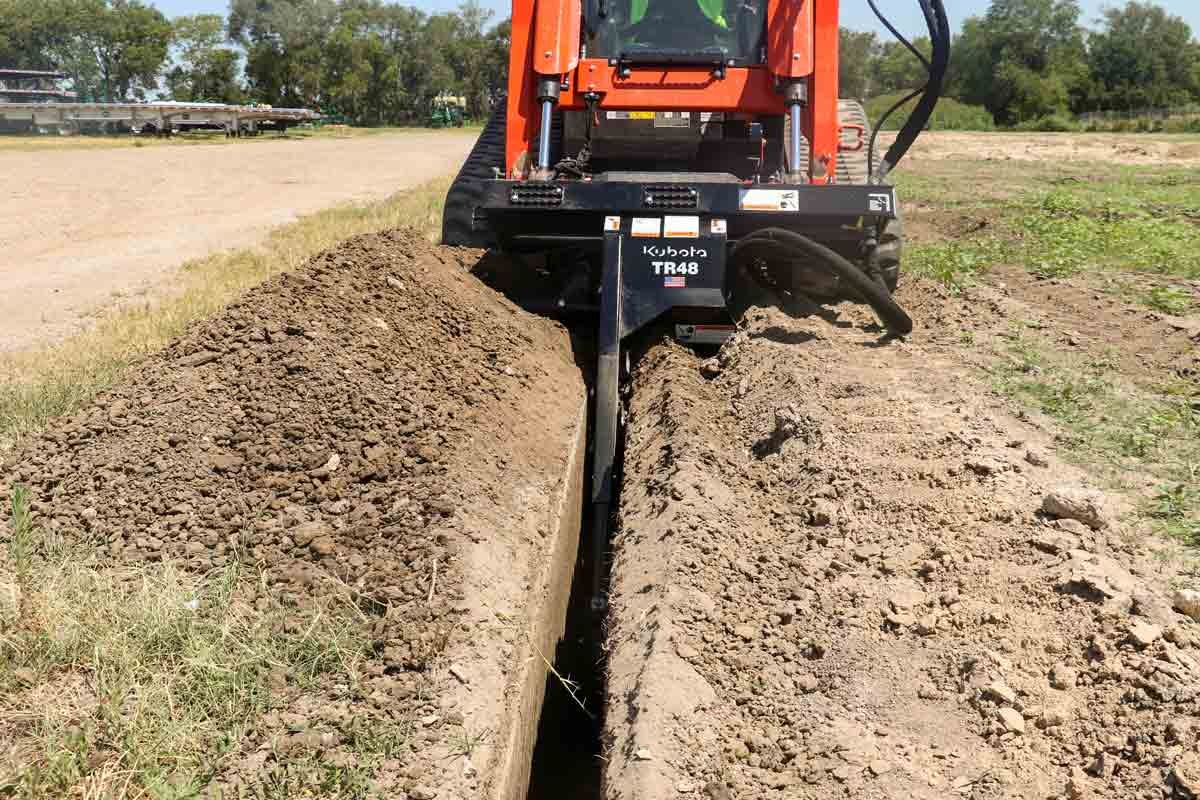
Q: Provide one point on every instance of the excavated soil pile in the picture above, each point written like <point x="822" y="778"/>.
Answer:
<point x="378" y="423"/>
<point x="834" y="577"/>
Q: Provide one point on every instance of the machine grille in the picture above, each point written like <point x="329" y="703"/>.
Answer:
<point x="669" y="196"/>
<point x="544" y="195"/>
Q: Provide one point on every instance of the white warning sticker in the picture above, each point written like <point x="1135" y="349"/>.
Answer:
<point x="681" y="227"/>
<point x="719" y="227"/>
<point x="649" y="227"/>
<point x="770" y="200"/>
<point x="612" y="224"/>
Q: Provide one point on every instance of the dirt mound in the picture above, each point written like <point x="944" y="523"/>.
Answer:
<point x="834" y="578"/>
<point x="377" y="423"/>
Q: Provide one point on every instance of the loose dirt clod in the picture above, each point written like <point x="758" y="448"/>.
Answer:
<point x="411" y="468"/>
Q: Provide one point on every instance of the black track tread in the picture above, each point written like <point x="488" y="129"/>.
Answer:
<point x="852" y="164"/>
<point x="459" y="226"/>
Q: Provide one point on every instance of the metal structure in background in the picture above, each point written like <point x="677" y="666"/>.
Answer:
<point x="159" y="118"/>
<point x="33" y="100"/>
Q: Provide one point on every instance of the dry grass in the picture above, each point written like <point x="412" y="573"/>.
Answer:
<point x="141" y="680"/>
<point x="39" y="385"/>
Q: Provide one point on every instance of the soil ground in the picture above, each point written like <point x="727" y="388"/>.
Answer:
<point x="82" y="228"/>
<point x="381" y="458"/>
<point x="835" y="574"/>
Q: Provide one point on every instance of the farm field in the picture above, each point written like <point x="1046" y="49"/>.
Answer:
<point x="320" y="539"/>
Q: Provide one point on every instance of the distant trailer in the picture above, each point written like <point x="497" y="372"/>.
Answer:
<point x="30" y="75"/>
<point x="36" y="95"/>
<point x="162" y="118"/>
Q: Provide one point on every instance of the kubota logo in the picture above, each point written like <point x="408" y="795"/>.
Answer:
<point x="667" y="251"/>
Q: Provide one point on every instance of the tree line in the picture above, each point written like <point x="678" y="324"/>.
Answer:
<point x="374" y="62"/>
<point x="369" y="62"/>
<point x="1025" y="60"/>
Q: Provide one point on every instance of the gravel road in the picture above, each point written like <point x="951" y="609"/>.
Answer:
<point x="79" y="228"/>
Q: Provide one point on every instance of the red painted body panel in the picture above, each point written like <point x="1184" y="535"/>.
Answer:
<point x="802" y="44"/>
<point x="747" y="89"/>
<point x="790" y="38"/>
<point x="556" y="36"/>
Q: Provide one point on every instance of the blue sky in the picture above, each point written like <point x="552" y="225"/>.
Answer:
<point x="855" y="13"/>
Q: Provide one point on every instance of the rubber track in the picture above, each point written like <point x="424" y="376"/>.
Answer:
<point x="458" y="220"/>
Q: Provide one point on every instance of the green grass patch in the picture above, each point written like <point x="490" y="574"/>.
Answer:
<point x="1113" y="426"/>
<point x="1118" y="220"/>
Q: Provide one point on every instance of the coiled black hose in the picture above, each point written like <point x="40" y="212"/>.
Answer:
<point x="780" y="243"/>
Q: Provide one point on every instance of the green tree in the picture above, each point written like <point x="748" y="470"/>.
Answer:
<point x="896" y="69"/>
<point x="205" y="70"/>
<point x="1143" y="57"/>
<point x="112" y="49"/>
<point x="1023" y="59"/>
<point x="856" y="58"/>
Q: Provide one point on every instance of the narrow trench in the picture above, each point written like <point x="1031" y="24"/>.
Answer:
<point x="567" y="759"/>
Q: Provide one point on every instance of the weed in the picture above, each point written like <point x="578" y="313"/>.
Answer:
<point x="1175" y="300"/>
<point x="464" y="743"/>
<point x="953" y="264"/>
<point x="1177" y="508"/>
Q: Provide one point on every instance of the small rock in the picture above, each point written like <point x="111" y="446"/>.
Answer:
<point x="322" y="545"/>
<point x="304" y="533"/>
<point x="420" y="792"/>
<point x="1036" y="458"/>
<point x="807" y="683"/>
<point x="1055" y="543"/>
<point x="224" y="462"/>
<point x="198" y="359"/>
<point x="25" y="675"/>
<point x="1012" y="720"/>
<point x="717" y="791"/>
<point x="747" y="633"/>
<point x="1143" y="634"/>
<point x="643" y="755"/>
<point x="1077" y="785"/>
<point x="1187" y="601"/>
<point x="1063" y="677"/>
<point x="1002" y="691"/>
<point x="879" y="767"/>
<point x="686" y="787"/>
<point x="1077" y="502"/>
<point x="926" y="625"/>
<point x="429" y="721"/>
<point x="1185" y="775"/>
<point x="458" y="673"/>
<point x="822" y="512"/>
<point x="710" y="368"/>
<point x="906" y="598"/>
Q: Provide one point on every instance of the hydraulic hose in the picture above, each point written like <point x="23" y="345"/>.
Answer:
<point x="934" y="12"/>
<point x="776" y="243"/>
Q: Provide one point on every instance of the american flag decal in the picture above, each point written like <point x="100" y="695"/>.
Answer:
<point x="674" y="282"/>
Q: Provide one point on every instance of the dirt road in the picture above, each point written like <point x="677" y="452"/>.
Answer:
<point x="79" y="228"/>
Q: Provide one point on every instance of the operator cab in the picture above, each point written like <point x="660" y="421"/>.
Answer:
<point x="718" y="32"/>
